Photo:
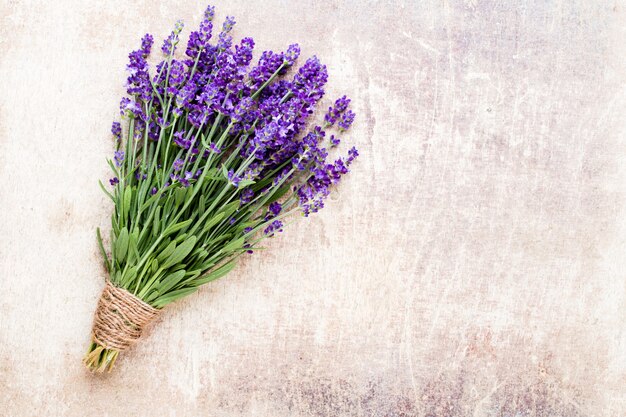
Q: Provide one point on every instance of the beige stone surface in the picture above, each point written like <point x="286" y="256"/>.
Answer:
<point x="473" y="263"/>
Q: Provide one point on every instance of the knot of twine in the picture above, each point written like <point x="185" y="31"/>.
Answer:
<point x="120" y="318"/>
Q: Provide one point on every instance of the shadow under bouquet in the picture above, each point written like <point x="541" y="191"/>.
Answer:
<point x="213" y="156"/>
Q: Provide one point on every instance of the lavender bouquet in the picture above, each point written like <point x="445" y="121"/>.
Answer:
<point x="213" y="155"/>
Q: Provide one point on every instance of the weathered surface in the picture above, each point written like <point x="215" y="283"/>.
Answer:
<point x="472" y="264"/>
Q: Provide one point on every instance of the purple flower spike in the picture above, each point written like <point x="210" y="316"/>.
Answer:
<point x="214" y="148"/>
<point x="275" y="226"/>
<point x="119" y="158"/>
<point x="228" y="24"/>
<point x="293" y="52"/>
<point x="352" y="154"/>
<point x="246" y="196"/>
<point x="234" y="179"/>
<point x="178" y="164"/>
<point x="334" y="112"/>
<point x="116" y="130"/>
<point x="114" y="181"/>
<point x="169" y="44"/>
<point x="346" y="120"/>
<point x="268" y="64"/>
<point x="138" y="82"/>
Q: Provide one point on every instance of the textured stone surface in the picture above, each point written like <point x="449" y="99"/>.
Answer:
<point x="472" y="265"/>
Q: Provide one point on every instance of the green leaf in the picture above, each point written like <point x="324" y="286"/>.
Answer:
<point x="176" y="227"/>
<point x="121" y="245"/>
<point x="180" y="196"/>
<point x="170" y="281"/>
<point x="217" y="273"/>
<point x="245" y="183"/>
<point x="107" y="263"/>
<point x="154" y="266"/>
<point x="106" y="192"/>
<point x="129" y="275"/>
<point x="218" y="239"/>
<point x="150" y="297"/>
<point x="166" y="252"/>
<point x="180" y="252"/>
<point x="173" y="296"/>
<point x="229" y="208"/>
<point x="151" y="200"/>
<point x="235" y="244"/>
<point x="133" y="252"/>
<point x="128" y="196"/>
<point x="156" y="223"/>
<point x="213" y="221"/>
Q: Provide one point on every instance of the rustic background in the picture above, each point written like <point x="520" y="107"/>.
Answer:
<point x="471" y="265"/>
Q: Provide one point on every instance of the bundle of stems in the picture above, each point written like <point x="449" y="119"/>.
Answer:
<point x="212" y="155"/>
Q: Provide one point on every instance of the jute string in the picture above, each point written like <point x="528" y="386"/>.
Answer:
<point x="120" y="318"/>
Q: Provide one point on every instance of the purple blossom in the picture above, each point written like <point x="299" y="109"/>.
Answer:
<point x="139" y="176"/>
<point x="199" y="40"/>
<point x="246" y="196"/>
<point x="243" y="52"/>
<point x="138" y="82"/>
<point x="352" y="154"/>
<point x="177" y="165"/>
<point x="293" y="52"/>
<point x="275" y="226"/>
<point x="233" y="178"/>
<point x="169" y="44"/>
<point x="130" y="107"/>
<point x="267" y="66"/>
<point x="114" y="181"/>
<point x="310" y="80"/>
<point x="334" y="112"/>
<point x="116" y="130"/>
<point x="346" y="120"/>
<point x="228" y="24"/>
<point x="241" y="109"/>
<point x="215" y="84"/>
<point x="119" y="158"/>
<point x="214" y="148"/>
<point x="274" y="209"/>
<point x="181" y="140"/>
<point x="177" y="77"/>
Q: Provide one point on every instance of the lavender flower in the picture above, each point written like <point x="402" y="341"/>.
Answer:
<point x="138" y="82"/>
<point x="169" y="44"/>
<point x="275" y="226"/>
<point x="223" y="144"/>
<point x="214" y="148"/>
<point x="346" y="120"/>
<point x="177" y="165"/>
<point x="267" y="66"/>
<point x="119" y="158"/>
<point x="341" y="104"/>
<point x="293" y="52"/>
<point x="233" y="178"/>
<point x="116" y="130"/>
<point x="246" y="196"/>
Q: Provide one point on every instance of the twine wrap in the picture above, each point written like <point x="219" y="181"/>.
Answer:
<point x="120" y="318"/>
